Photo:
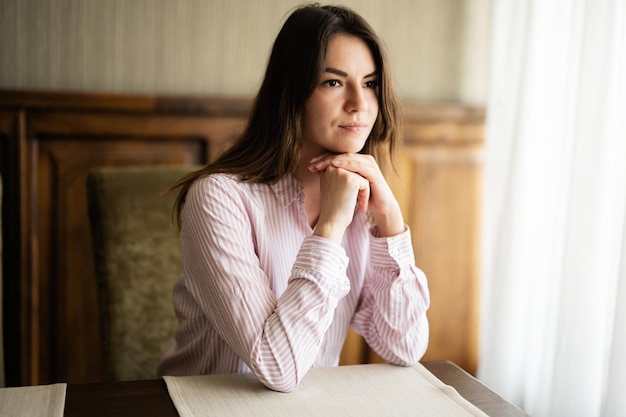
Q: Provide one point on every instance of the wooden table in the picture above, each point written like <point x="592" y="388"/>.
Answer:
<point x="150" y="398"/>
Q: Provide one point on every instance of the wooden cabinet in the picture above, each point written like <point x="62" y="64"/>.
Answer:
<point x="49" y="141"/>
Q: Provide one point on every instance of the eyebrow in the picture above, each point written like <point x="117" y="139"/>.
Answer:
<point x="345" y="74"/>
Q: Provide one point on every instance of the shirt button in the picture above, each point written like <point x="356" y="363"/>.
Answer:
<point x="395" y="251"/>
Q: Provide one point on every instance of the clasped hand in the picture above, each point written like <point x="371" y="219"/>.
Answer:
<point x="351" y="179"/>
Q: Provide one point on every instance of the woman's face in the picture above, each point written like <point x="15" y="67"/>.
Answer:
<point x="341" y="112"/>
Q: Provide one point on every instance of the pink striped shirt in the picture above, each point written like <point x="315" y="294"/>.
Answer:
<point x="258" y="292"/>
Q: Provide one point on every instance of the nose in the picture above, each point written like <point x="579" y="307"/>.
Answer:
<point x="356" y="100"/>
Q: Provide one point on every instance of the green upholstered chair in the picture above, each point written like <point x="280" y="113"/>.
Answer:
<point x="137" y="256"/>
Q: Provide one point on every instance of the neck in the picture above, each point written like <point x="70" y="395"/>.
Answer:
<point x="303" y="174"/>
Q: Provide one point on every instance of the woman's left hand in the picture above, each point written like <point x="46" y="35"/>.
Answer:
<point x="382" y="204"/>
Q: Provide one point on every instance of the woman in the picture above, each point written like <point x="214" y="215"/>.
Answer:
<point x="293" y="235"/>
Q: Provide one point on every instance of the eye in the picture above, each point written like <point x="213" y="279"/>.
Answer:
<point x="371" y="84"/>
<point x="331" y="83"/>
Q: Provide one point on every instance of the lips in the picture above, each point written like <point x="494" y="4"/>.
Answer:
<point x="353" y="126"/>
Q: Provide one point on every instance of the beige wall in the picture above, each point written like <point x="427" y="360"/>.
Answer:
<point x="438" y="47"/>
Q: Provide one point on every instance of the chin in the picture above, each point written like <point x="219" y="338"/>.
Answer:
<point x="345" y="150"/>
<point x="349" y="148"/>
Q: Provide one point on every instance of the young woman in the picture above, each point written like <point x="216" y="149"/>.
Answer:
<point x="293" y="235"/>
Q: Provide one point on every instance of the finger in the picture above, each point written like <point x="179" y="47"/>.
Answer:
<point x="363" y="197"/>
<point x="317" y="166"/>
<point x="321" y="162"/>
<point x="364" y="166"/>
<point x="321" y="156"/>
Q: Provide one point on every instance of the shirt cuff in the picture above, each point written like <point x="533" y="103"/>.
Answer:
<point x="323" y="262"/>
<point x="392" y="252"/>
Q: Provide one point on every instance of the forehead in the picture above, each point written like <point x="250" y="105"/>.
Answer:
<point x="347" y="51"/>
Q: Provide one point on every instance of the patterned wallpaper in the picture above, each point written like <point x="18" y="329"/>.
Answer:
<point x="438" y="47"/>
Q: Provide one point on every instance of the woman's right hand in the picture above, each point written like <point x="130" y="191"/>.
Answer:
<point x="340" y="192"/>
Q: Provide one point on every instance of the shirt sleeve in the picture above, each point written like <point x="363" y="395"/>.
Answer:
<point x="395" y="297"/>
<point x="278" y="338"/>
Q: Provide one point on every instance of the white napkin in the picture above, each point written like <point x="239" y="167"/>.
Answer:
<point x="35" y="401"/>
<point x="357" y="390"/>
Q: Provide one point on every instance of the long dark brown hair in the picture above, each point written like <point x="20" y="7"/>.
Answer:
<point x="269" y="147"/>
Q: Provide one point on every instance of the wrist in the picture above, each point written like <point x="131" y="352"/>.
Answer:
<point x="390" y="224"/>
<point x="327" y="231"/>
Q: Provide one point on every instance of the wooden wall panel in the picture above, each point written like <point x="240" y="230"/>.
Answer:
<point x="12" y="248"/>
<point x="437" y="181"/>
<point x="441" y="201"/>
<point x="49" y="141"/>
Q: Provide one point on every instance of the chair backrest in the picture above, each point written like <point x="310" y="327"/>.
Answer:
<point x="137" y="256"/>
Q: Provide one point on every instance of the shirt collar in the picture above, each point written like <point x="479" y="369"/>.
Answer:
<point x="287" y="189"/>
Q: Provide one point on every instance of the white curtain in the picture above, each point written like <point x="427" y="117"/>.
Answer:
<point x="553" y="319"/>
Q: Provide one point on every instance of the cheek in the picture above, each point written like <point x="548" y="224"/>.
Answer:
<point x="311" y="122"/>
<point x="373" y="115"/>
<point x="311" y="107"/>
<point x="374" y="107"/>
<point x="372" y="102"/>
<point x="325" y="102"/>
